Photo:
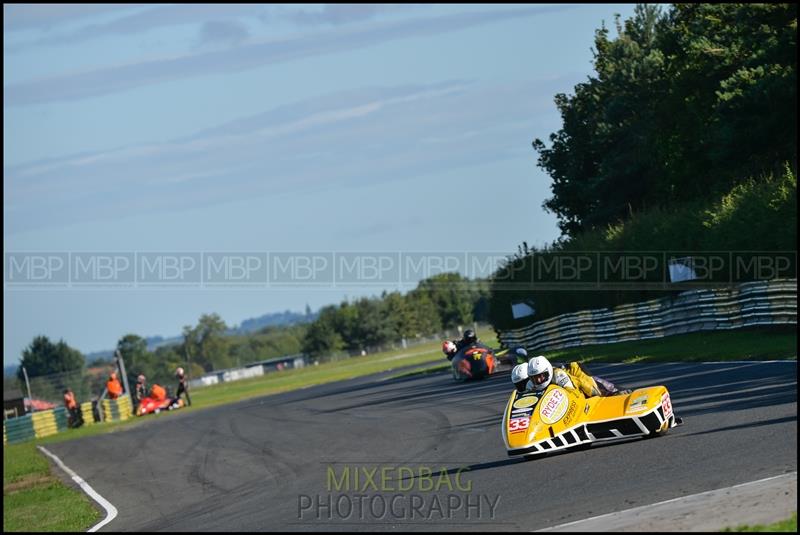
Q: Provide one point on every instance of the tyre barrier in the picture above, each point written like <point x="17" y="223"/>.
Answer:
<point x="87" y="410"/>
<point x="117" y="409"/>
<point x="49" y="422"/>
<point x="35" y="425"/>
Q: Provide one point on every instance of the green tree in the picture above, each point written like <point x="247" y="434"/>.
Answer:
<point x="684" y="105"/>
<point x="736" y="64"/>
<point x="376" y="326"/>
<point x="242" y="353"/>
<point x="133" y="349"/>
<point x="425" y="317"/>
<point x="206" y="344"/>
<point x="455" y="297"/>
<point x="42" y="357"/>
<point x="601" y="161"/>
<point x="367" y="323"/>
<point x="322" y="337"/>
<point x="400" y="316"/>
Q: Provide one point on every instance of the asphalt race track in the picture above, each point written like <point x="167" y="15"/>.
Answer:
<point x="425" y="453"/>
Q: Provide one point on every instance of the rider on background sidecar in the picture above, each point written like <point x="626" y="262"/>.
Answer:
<point x="451" y="347"/>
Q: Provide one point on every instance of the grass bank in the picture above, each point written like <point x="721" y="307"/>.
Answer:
<point x="741" y="344"/>
<point x="789" y="525"/>
<point x="35" y="500"/>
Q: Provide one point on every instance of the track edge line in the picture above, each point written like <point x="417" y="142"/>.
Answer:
<point x="111" y="511"/>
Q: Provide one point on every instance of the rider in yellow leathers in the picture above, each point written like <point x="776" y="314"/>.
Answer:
<point x="538" y="373"/>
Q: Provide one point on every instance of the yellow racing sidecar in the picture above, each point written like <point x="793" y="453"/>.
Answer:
<point x="562" y="418"/>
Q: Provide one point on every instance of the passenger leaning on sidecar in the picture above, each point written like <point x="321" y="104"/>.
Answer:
<point x="538" y="373"/>
<point x="451" y="347"/>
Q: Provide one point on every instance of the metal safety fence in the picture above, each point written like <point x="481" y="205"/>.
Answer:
<point x="761" y="303"/>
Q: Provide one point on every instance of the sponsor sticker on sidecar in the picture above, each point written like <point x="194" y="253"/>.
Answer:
<point x="553" y="406"/>
<point x="666" y="404"/>
<point x="570" y="413"/>
<point x="525" y="402"/>
<point x="638" y="404"/>
<point x="518" y="425"/>
<point x="516" y="413"/>
<point x="476" y="353"/>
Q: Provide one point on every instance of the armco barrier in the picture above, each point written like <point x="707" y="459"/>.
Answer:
<point x="748" y="304"/>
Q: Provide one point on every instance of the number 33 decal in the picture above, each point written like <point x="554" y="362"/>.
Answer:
<point x="518" y="424"/>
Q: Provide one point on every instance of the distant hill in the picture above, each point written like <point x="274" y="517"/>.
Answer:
<point x="152" y="343"/>
<point x="274" y="319"/>
<point x="158" y="341"/>
<point x="95" y="356"/>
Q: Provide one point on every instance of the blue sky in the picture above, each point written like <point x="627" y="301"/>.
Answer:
<point x="339" y="128"/>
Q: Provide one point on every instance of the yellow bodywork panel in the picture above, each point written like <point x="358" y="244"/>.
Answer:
<point x="562" y="417"/>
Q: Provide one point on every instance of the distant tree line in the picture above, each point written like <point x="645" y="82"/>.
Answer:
<point x="440" y="302"/>
<point x="205" y="347"/>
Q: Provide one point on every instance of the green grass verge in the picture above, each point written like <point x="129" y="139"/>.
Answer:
<point x="27" y="462"/>
<point x="35" y="500"/>
<point x="784" y="525"/>
<point x="742" y="344"/>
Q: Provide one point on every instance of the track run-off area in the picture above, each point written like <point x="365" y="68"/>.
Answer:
<point x="422" y="452"/>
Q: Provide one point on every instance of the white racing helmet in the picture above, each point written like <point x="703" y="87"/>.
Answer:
<point x="521" y="353"/>
<point x="540" y="372"/>
<point x="519" y="376"/>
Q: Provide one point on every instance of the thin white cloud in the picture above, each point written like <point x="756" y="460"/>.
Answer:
<point x="17" y="17"/>
<point x="120" y="78"/>
<point x="223" y="31"/>
<point x="285" y="120"/>
<point x="47" y="16"/>
<point x="343" y="13"/>
<point x="345" y="139"/>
